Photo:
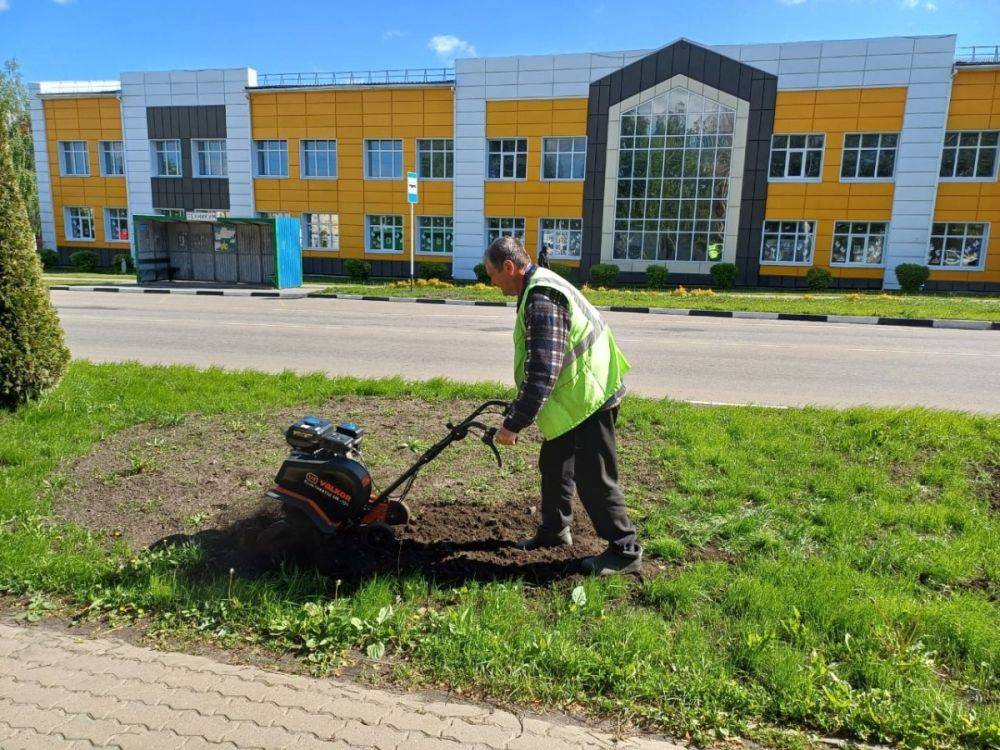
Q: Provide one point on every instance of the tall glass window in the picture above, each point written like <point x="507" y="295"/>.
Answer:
<point x="166" y="158"/>
<point x="319" y="158"/>
<point x="271" y="158"/>
<point x="675" y="153"/>
<point x="112" y="159"/>
<point x="384" y="159"/>
<point x="209" y="157"/>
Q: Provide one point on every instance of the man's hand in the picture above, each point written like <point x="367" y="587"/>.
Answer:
<point x="505" y="437"/>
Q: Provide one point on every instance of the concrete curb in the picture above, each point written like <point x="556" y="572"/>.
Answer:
<point x="968" y="325"/>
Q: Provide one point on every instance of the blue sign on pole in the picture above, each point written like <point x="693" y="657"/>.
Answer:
<point x="411" y="187"/>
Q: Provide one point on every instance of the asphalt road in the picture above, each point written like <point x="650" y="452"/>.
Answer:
<point x="717" y="360"/>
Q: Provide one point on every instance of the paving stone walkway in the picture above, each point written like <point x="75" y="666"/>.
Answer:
<point x="61" y="691"/>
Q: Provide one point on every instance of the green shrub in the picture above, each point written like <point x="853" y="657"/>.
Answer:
<point x="84" y="260"/>
<point x="819" y="279"/>
<point x="33" y="353"/>
<point x="566" y="271"/>
<point x="481" y="276"/>
<point x="604" y="274"/>
<point x="127" y="259"/>
<point x="912" y="277"/>
<point x="656" y="277"/>
<point x="50" y="258"/>
<point x="358" y="270"/>
<point x="724" y="275"/>
<point x="434" y="270"/>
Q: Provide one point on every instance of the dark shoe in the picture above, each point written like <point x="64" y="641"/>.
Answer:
<point x="610" y="562"/>
<point x="545" y="539"/>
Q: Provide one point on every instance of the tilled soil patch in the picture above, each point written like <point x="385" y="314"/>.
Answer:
<point x="204" y="478"/>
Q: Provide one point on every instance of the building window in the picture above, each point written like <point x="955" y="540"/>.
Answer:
<point x="170" y="213"/>
<point x="796" y="157"/>
<point x="788" y="242"/>
<point x="270" y="158"/>
<point x="385" y="233"/>
<point x="858" y="243"/>
<point x="383" y="159"/>
<point x="504" y="227"/>
<point x="321" y="231"/>
<point x="74" y="158"/>
<point x="435" y="234"/>
<point x="563" y="158"/>
<point x="112" y="159"/>
<point x="436" y="159"/>
<point x="957" y="245"/>
<point x="319" y="158"/>
<point x="969" y="155"/>
<point x="563" y="236"/>
<point x="166" y="158"/>
<point x="80" y="224"/>
<point x="869" y="156"/>
<point x="507" y="159"/>
<point x="116" y="224"/>
<point x="675" y="153"/>
<point x="209" y="157"/>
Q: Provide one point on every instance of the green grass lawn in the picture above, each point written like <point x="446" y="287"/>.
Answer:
<point x="829" y="572"/>
<point x="888" y="305"/>
<point x="72" y="277"/>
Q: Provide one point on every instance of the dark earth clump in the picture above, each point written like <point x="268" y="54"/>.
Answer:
<point x="203" y="478"/>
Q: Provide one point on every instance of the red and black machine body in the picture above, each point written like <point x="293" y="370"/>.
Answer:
<point x="325" y="480"/>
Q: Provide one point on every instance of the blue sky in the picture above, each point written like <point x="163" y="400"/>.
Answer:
<point x="95" y="39"/>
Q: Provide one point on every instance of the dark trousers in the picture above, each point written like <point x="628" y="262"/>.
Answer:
<point x="584" y="460"/>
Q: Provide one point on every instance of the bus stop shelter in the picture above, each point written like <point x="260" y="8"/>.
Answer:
<point x="251" y="251"/>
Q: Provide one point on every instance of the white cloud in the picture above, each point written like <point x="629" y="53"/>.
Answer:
<point x="4" y="5"/>
<point x="792" y="2"/>
<point x="928" y="5"/>
<point x="392" y="34"/>
<point x="449" y="47"/>
<point x="62" y="2"/>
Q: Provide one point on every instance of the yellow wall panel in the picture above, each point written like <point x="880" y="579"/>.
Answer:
<point x="349" y="116"/>
<point x="91" y="119"/>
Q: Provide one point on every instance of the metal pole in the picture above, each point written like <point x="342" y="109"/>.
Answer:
<point x="413" y="234"/>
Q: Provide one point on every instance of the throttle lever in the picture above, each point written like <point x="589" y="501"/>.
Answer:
<point x="488" y="435"/>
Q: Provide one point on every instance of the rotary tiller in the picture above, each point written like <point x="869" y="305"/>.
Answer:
<point x="325" y="489"/>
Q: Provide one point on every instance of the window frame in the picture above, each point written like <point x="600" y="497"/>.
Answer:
<point x="542" y="230"/>
<point x="878" y="152"/>
<point x="68" y="222"/>
<point x="573" y="156"/>
<point x="763" y="236"/>
<point x="443" y="229"/>
<point x="62" y="159"/>
<point x="514" y="219"/>
<point x="107" y="225"/>
<point x="304" y="224"/>
<point x="257" y="143"/>
<point x="516" y="153"/>
<point x="382" y="228"/>
<point x="303" y="161"/>
<point x="805" y="150"/>
<point x="171" y="213"/>
<point x="965" y="235"/>
<point x="402" y="166"/>
<point x="196" y="172"/>
<point x="851" y="235"/>
<point x="444" y="153"/>
<point x="101" y="150"/>
<point x="996" y="158"/>
<point x="154" y="161"/>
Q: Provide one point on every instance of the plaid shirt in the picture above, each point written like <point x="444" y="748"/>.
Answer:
<point x="546" y="314"/>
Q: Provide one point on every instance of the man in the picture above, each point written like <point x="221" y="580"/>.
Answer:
<point x="569" y="376"/>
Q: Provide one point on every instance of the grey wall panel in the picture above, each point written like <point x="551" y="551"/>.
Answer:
<point x="183" y="124"/>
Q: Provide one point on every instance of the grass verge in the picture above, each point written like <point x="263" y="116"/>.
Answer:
<point x="832" y="572"/>
<point x="877" y="304"/>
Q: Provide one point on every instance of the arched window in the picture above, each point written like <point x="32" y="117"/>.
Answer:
<point x="674" y="154"/>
